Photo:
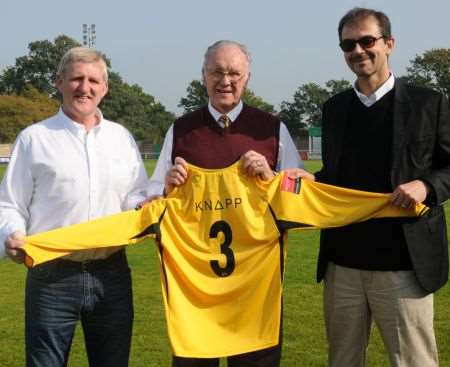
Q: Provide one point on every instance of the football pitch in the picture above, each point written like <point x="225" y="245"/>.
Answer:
<point x="304" y="342"/>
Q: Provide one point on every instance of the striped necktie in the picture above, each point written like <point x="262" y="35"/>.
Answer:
<point x="225" y="120"/>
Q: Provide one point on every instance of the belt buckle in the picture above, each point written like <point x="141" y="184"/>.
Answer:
<point x="84" y="265"/>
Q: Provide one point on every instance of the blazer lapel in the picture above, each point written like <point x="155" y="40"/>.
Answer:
<point x="402" y="112"/>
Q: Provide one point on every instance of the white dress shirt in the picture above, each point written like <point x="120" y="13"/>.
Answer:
<point x="369" y="101"/>
<point x="60" y="175"/>
<point x="288" y="156"/>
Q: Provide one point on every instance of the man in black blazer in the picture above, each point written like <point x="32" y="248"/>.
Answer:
<point x="384" y="136"/>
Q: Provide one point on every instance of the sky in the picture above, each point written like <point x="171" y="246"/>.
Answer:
<point x="159" y="45"/>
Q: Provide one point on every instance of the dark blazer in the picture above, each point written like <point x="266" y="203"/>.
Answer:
<point x="420" y="150"/>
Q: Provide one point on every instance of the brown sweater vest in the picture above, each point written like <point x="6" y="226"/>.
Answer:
<point x="201" y="141"/>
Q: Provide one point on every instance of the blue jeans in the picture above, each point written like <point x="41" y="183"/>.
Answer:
<point x="60" y="293"/>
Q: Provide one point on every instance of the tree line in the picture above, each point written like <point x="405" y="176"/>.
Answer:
<point x="28" y="94"/>
<point x="431" y="70"/>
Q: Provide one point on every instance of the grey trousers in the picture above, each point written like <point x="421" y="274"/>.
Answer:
<point x="401" y="309"/>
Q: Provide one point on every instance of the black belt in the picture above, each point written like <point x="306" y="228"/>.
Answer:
<point x="116" y="261"/>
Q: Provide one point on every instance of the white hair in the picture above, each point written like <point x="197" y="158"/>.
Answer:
<point x="222" y="43"/>
<point x="82" y="54"/>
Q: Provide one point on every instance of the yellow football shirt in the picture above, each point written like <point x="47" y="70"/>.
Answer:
<point x="221" y="250"/>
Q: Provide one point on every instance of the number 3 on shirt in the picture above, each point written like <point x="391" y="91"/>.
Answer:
<point x="224" y="227"/>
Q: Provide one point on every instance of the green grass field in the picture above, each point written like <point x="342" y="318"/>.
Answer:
<point x="304" y="335"/>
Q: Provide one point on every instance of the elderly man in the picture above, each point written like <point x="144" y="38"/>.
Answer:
<point x="217" y="135"/>
<point x="70" y="168"/>
<point x="385" y="136"/>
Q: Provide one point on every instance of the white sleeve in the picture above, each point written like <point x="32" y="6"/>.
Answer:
<point x="16" y="190"/>
<point x="156" y="183"/>
<point x="288" y="156"/>
<point x="139" y="180"/>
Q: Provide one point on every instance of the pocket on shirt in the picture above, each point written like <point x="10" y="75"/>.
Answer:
<point x="119" y="173"/>
<point x="58" y="180"/>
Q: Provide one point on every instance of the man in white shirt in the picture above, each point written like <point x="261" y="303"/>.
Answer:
<point x="217" y="135"/>
<point x="73" y="167"/>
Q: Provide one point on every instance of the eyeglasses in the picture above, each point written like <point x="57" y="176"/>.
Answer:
<point x="233" y="76"/>
<point x="349" y="45"/>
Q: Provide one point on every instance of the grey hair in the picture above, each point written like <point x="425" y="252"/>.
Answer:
<point x="81" y="54"/>
<point x="222" y="43"/>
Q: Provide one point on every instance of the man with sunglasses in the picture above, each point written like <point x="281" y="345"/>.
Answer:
<point x="384" y="136"/>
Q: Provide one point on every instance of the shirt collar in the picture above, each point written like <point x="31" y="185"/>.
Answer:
<point x="386" y="87"/>
<point x="232" y="115"/>
<point x="76" y="128"/>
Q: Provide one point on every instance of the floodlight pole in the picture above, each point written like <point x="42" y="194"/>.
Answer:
<point x="89" y="35"/>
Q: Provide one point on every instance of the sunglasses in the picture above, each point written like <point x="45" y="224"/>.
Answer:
<point x="348" y="45"/>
